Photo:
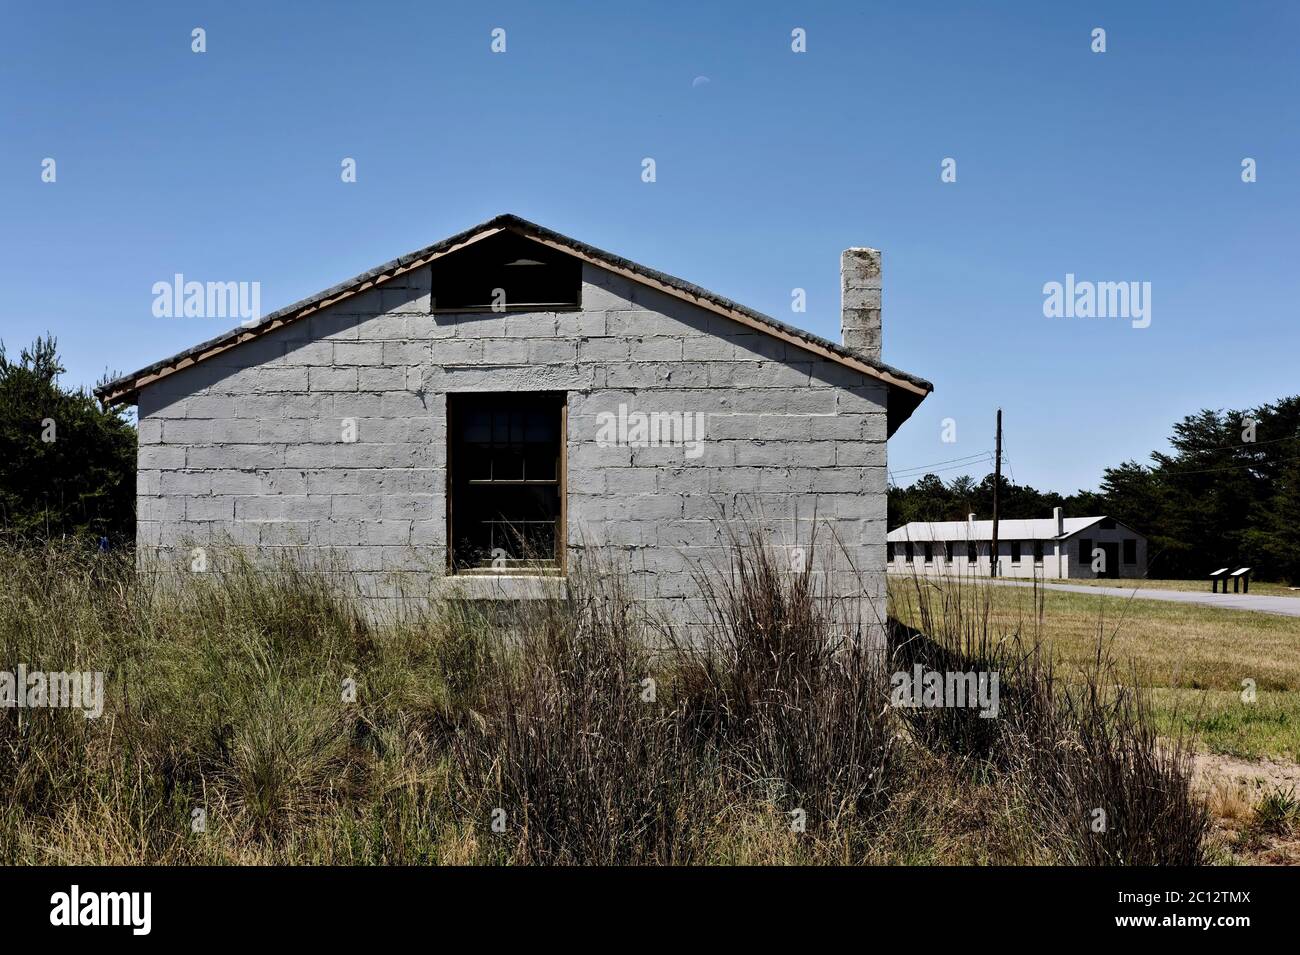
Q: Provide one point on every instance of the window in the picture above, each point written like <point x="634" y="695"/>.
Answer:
<point x="889" y="551"/>
<point x="1085" y="551"/>
<point x="1130" y="551"/>
<point x="505" y="505"/>
<point x="972" y="552"/>
<point x="947" y="551"/>
<point x="1038" y="552"/>
<point x="911" y="552"/>
<point x="509" y="272"/>
<point x="1015" y="552"/>
<point x="929" y="552"/>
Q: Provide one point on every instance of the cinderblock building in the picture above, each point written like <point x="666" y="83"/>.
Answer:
<point x="472" y="413"/>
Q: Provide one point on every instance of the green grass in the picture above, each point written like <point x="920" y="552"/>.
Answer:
<point x="1222" y="723"/>
<point x="1193" y="658"/>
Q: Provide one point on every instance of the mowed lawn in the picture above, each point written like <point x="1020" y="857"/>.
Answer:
<point x="1195" y="659"/>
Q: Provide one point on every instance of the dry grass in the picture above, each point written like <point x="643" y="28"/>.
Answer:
<point x="1192" y="658"/>
<point x="769" y="739"/>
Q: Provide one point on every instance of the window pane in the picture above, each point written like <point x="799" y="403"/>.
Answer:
<point x="477" y="462"/>
<point x="540" y="463"/>
<point x="478" y="426"/>
<point x="508" y="463"/>
<point x="540" y="426"/>
<point x="501" y="427"/>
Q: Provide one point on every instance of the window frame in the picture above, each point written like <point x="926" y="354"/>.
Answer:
<point x="454" y="412"/>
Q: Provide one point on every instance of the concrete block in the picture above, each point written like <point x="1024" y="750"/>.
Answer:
<point x="348" y="354"/>
<point x="159" y="457"/>
<point x="332" y="379"/>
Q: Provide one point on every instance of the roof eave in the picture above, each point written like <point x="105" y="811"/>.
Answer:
<point x="907" y="391"/>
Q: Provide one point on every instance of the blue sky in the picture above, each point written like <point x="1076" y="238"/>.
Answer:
<point x="1120" y="166"/>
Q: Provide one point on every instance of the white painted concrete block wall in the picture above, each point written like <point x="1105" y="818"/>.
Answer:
<point x="248" y="446"/>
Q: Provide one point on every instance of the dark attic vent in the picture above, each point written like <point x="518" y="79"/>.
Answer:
<point x="507" y="272"/>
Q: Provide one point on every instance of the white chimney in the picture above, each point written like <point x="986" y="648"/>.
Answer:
<point x="860" y="301"/>
<point x="1059" y="516"/>
<point x="970" y="518"/>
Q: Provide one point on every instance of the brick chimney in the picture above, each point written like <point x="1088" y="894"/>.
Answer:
<point x="860" y="301"/>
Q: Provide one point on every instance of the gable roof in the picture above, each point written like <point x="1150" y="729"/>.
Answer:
<point x="905" y="391"/>
<point x="1039" y="528"/>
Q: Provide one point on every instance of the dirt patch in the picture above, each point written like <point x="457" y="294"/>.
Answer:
<point x="1211" y="768"/>
<point x="1233" y="788"/>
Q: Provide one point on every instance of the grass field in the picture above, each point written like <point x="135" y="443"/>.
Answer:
<point x="1194" y="658"/>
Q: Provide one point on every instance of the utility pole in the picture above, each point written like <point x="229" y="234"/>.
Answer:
<point x="997" y="481"/>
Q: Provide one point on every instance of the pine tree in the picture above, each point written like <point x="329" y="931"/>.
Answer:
<point x="67" y="466"/>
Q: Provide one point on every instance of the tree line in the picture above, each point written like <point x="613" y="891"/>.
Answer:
<point x="1227" y="492"/>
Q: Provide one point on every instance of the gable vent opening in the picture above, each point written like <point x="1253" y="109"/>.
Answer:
<point x="507" y="272"/>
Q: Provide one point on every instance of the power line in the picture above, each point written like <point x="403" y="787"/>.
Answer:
<point x="936" y="471"/>
<point x="1256" y="465"/>
<point x="1243" y="446"/>
<point x="968" y="458"/>
<point x="921" y="467"/>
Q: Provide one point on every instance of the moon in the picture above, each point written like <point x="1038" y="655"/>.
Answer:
<point x="699" y="81"/>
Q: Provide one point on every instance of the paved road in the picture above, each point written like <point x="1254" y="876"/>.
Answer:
<point x="1286" y="606"/>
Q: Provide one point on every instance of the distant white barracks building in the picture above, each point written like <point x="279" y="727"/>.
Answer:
<point x="1046" y="548"/>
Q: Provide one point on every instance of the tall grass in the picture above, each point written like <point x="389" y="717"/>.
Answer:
<point x="1082" y="751"/>
<point x="783" y="684"/>
<point x="575" y="758"/>
<point x="257" y="713"/>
